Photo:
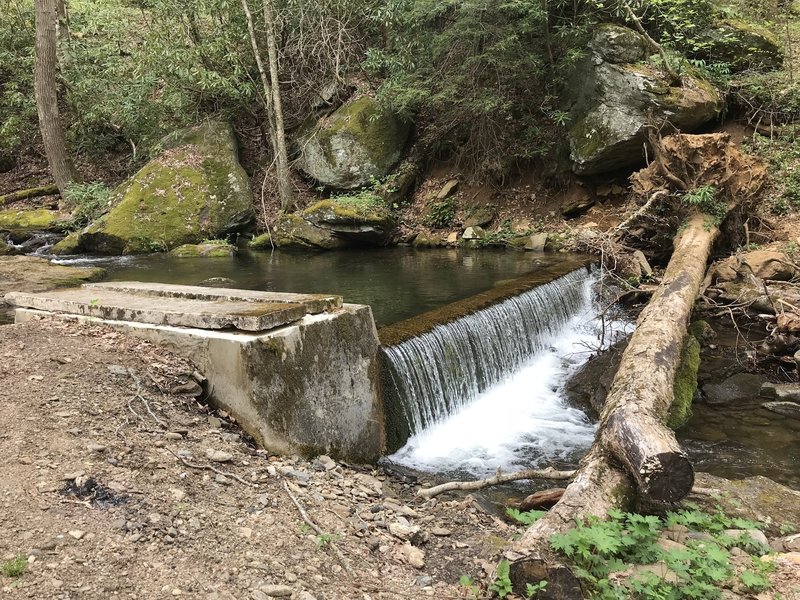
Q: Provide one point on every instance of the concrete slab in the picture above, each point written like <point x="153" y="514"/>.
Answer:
<point x="162" y="310"/>
<point x="314" y="303"/>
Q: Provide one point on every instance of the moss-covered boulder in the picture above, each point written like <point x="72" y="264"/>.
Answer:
<point x="355" y="144"/>
<point x="210" y="249"/>
<point x="69" y="245"/>
<point x="5" y="249"/>
<point x="194" y="190"/>
<point x="614" y="102"/>
<point x="34" y="274"/>
<point x="368" y="223"/>
<point x="36" y="218"/>
<point x="741" y="45"/>
<point x="293" y="231"/>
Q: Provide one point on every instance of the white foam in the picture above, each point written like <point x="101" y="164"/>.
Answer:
<point x="521" y="422"/>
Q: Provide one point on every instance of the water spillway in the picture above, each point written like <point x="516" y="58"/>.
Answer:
<point x="483" y="390"/>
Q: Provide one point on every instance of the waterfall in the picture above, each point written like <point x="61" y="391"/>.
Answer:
<point x="438" y="373"/>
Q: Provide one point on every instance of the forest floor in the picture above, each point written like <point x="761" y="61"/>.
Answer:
<point x="108" y="491"/>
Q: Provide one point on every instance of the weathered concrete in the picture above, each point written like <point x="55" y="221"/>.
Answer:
<point x="314" y="303"/>
<point x="162" y="310"/>
<point x="309" y="387"/>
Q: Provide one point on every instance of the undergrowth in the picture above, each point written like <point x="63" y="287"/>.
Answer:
<point x="604" y="552"/>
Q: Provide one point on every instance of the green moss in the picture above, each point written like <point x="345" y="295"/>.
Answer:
<point x="685" y="384"/>
<point x="5" y="249"/>
<point x="208" y="249"/>
<point x="376" y="130"/>
<point x="69" y="245"/>
<point x="335" y="210"/>
<point x="588" y="138"/>
<point x="38" y="218"/>
<point x="190" y="193"/>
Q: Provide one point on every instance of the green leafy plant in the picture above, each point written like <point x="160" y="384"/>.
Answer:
<point x="88" y="201"/>
<point x="466" y="582"/>
<point x="440" y="214"/>
<point x="502" y="580"/>
<point x="324" y="540"/>
<point x="704" y="199"/>
<point x="533" y="589"/>
<point x="525" y="518"/>
<point x="14" y="567"/>
<point x="599" y="548"/>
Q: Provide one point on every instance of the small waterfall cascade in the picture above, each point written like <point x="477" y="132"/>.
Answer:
<point x="440" y="372"/>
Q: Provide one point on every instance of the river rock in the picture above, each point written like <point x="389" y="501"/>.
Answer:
<point x="372" y="224"/>
<point x="480" y="217"/>
<point x="743" y="46"/>
<point x="194" y="190"/>
<point x="736" y="388"/>
<point x="293" y="231"/>
<point x="359" y="142"/>
<point x="757" y="499"/>
<point x="473" y="233"/>
<point x="213" y="249"/>
<point x="6" y="250"/>
<point x="35" y="274"/>
<point x="763" y="264"/>
<point x="412" y="555"/>
<point x="614" y="101"/>
<point x="448" y="189"/>
<point x="424" y="240"/>
<point x="787" y="409"/>
<point x="32" y="218"/>
<point x="536" y="242"/>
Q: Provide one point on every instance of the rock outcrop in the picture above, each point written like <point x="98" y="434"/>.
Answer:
<point x="741" y="45"/>
<point x="357" y="143"/>
<point x="210" y="249"/>
<point x="368" y="224"/>
<point x="34" y="218"/>
<point x="293" y="231"/>
<point x="194" y="190"/>
<point x="620" y="93"/>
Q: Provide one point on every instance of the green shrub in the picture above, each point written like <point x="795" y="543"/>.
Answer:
<point x="88" y="201"/>
<point x="440" y="214"/>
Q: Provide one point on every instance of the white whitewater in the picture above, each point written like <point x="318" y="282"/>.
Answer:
<point x="486" y="391"/>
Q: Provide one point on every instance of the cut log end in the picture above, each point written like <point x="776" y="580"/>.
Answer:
<point x="667" y="477"/>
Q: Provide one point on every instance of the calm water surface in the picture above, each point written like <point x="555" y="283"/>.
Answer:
<point x="396" y="282"/>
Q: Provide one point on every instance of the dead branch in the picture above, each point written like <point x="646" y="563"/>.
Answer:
<point x="499" y="478"/>
<point x="200" y="467"/>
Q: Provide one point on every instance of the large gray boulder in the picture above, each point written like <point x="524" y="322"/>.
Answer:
<point x="741" y="45"/>
<point x="618" y="94"/>
<point x="293" y="231"/>
<point x="355" y="144"/>
<point x="194" y="190"/>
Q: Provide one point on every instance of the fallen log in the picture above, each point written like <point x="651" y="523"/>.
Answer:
<point x="635" y="457"/>
<point x="45" y="190"/>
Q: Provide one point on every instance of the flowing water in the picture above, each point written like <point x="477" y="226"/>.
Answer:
<point x="485" y="391"/>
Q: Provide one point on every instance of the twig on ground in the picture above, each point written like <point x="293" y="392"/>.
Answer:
<point x="548" y="473"/>
<point x="141" y="397"/>
<point x="192" y="465"/>
<point x="308" y="521"/>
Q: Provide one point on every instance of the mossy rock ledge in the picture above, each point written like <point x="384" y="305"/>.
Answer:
<point x="210" y="249"/>
<point x="293" y="231"/>
<point x="357" y="143"/>
<point x="193" y="191"/>
<point x="40" y="219"/>
<point x="363" y="225"/>
<point x="614" y="101"/>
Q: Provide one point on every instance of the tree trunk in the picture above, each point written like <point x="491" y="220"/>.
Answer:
<point x="285" y="189"/>
<point x="45" y="84"/>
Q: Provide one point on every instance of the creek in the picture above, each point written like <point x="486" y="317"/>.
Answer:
<point x="487" y="390"/>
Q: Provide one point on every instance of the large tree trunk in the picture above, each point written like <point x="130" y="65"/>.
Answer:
<point x="635" y="457"/>
<point x="45" y="85"/>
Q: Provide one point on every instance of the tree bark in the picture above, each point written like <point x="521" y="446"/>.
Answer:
<point x="285" y="189"/>
<point x="45" y="85"/>
<point x="631" y="424"/>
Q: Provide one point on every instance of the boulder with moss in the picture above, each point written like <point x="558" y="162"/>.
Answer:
<point x="614" y="102"/>
<point x="359" y="142"/>
<point x="209" y="249"/>
<point x="368" y="222"/>
<point x="194" y="190"/>
<point x="293" y="231"/>
<point x="5" y="249"/>
<point x="740" y="45"/>
<point x="34" y="218"/>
